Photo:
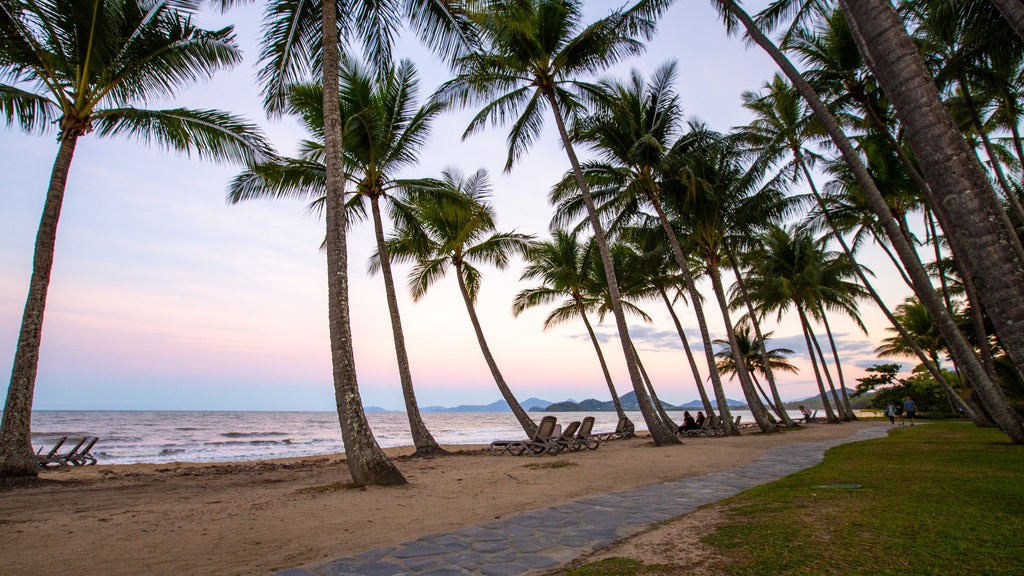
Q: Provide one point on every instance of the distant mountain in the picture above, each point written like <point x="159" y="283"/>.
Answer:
<point x="698" y="405"/>
<point x="498" y="406"/>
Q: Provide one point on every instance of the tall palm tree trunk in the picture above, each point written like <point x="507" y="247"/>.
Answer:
<point x="978" y="229"/>
<point x="604" y="364"/>
<point x="660" y="433"/>
<point x="698" y="312"/>
<point x="805" y="325"/>
<point x="366" y="461"/>
<point x="421" y="436"/>
<point x="708" y="407"/>
<point x="654" y="395"/>
<point x="977" y="417"/>
<point x="1013" y="11"/>
<point x="17" y="460"/>
<point x="997" y="168"/>
<point x="990" y="392"/>
<point x="780" y="406"/>
<point x="529" y="426"/>
<point x="841" y="412"/>
<point x="839" y="368"/>
<point x="753" y="400"/>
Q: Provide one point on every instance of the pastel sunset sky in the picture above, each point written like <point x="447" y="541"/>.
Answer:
<point x="163" y="296"/>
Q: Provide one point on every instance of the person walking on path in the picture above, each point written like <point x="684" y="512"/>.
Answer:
<point x="890" y="411"/>
<point x="910" y="408"/>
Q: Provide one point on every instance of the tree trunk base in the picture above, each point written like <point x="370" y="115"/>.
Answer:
<point x="430" y="452"/>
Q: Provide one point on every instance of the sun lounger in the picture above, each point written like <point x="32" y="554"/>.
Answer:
<point x="51" y="460"/>
<point x="705" y="431"/>
<point x="564" y="440"/>
<point x="57" y="461"/>
<point x="83" y="456"/>
<point x="625" y="429"/>
<point x="538" y="444"/>
<point x="585" y="437"/>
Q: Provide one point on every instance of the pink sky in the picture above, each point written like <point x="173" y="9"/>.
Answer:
<point x="163" y="296"/>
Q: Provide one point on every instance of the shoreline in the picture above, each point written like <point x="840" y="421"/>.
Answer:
<point x="257" y="517"/>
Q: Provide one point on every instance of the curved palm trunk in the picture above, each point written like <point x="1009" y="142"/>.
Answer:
<point x="708" y="408"/>
<point x="839" y="369"/>
<point x="841" y="412"/>
<point x="654" y="395"/>
<point x="1013" y="11"/>
<point x="978" y="229"/>
<point x="978" y="417"/>
<point x="366" y="461"/>
<point x="805" y="325"/>
<point x="660" y="433"/>
<point x="421" y="437"/>
<point x="698" y="312"/>
<point x="17" y="460"/>
<point x="986" y="143"/>
<point x="529" y="426"/>
<point x="776" y="401"/>
<point x="991" y="393"/>
<point x="753" y="400"/>
<point x="600" y="358"/>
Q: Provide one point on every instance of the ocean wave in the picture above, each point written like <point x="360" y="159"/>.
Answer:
<point x="252" y="434"/>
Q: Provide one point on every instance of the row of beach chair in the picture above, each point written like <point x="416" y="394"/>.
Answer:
<point x="79" y="455"/>
<point x="550" y="438"/>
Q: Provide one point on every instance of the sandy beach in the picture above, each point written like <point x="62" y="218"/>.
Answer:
<point x="258" y="517"/>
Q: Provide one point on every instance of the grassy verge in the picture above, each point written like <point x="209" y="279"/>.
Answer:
<point x="946" y="498"/>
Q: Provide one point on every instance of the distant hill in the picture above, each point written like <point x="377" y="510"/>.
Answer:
<point x="629" y="403"/>
<point x="498" y="406"/>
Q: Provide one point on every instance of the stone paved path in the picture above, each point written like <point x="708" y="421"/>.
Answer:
<point x="540" y="540"/>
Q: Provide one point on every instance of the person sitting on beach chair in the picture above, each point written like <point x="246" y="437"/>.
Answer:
<point x="807" y="414"/>
<point x="688" y="424"/>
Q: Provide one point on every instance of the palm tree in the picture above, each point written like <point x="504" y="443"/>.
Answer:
<point x="384" y="130"/>
<point x="455" y="229"/>
<point x="632" y="129"/>
<point x="990" y="392"/>
<point x="715" y="199"/>
<point x="302" y="38"/>
<point x="750" y="349"/>
<point x="794" y="270"/>
<point x="563" y="265"/>
<point x="83" y="67"/>
<point x="535" y="56"/>
<point x="977" y="227"/>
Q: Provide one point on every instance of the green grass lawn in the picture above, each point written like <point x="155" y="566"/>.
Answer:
<point x="942" y="498"/>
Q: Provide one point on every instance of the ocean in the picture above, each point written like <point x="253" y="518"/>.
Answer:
<point x="157" y="437"/>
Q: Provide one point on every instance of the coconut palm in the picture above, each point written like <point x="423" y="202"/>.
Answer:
<point x="83" y="67"/>
<point x="632" y="129"/>
<point x="960" y="193"/>
<point x="716" y="199"/>
<point x="793" y="270"/>
<point x="301" y="38"/>
<point x="535" y="55"/>
<point x="751" y="351"/>
<point x="384" y="131"/>
<point x="455" y="230"/>
<point x="563" y="265"/>
<point x="992" y="395"/>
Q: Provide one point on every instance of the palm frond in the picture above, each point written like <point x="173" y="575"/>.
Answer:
<point x="209" y="134"/>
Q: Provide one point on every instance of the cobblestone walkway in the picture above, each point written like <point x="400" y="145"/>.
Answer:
<point x="540" y="540"/>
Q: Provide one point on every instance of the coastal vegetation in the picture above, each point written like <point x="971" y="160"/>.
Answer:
<point x="896" y="126"/>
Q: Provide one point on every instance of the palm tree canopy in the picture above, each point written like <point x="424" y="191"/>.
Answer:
<point x="84" y="66"/>
<point x="453" y="229"/>
<point x="383" y="132"/>
<point x="292" y="48"/>
<point x="750" y="351"/>
<point x="533" y="50"/>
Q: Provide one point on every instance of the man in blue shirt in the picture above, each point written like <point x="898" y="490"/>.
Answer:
<point x="910" y="408"/>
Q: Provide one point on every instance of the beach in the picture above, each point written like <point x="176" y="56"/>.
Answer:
<point x="262" y="516"/>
